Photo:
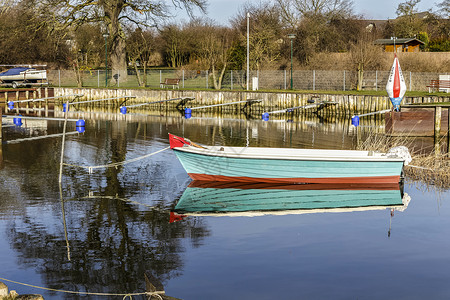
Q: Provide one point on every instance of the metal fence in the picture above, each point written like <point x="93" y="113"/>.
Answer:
<point x="236" y="80"/>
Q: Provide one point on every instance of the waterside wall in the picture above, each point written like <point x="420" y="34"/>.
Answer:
<point x="345" y="104"/>
<point x="342" y="104"/>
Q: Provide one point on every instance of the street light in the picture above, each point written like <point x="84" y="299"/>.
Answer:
<point x="106" y="35"/>
<point x="394" y="38"/>
<point x="248" y="41"/>
<point x="291" y="36"/>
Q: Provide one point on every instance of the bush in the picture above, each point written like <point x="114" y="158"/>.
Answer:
<point x="442" y="45"/>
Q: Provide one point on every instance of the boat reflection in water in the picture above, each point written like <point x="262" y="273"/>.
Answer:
<point x="241" y="199"/>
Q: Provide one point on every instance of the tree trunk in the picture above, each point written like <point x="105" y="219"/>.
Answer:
<point x="217" y="81"/>
<point x="145" y="73"/>
<point x="222" y="73"/>
<point x="118" y="57"/>
<point x="214" y="78"/>
<point x="76" y="69"/>
<point x="360" y="76"/>
<point x="117" y="51"/>
<point x="138" y="75"/>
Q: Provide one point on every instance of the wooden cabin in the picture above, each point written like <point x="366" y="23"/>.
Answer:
<point x="401" y="45"/>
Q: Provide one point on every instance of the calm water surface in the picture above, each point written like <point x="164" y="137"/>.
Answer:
<point x="101" y="232"/>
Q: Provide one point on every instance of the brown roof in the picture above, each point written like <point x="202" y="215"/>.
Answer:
<point x="397" y="41"/>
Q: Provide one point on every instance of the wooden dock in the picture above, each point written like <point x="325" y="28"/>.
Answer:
<point x="24" y="94"/>
<point x="417" y="120"/>
<point x="421" y="120"/>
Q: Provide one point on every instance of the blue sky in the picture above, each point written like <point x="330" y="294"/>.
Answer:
<point x="222" y="10"/>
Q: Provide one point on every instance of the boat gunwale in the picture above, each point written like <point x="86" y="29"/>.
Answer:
<point x="215" y="152"/>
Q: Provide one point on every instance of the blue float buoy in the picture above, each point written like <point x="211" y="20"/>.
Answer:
<point x="123" y="110"/>
<point x="355" y="121"/>
<point x="187" y="113"/>
<point x="65" y="108"/>
<point x="18" y="121"/>
<point x="81" y="129"/>
<point x="80" y="123"/>
<point x="10" y="104"/>
<point x="265" y="116"/>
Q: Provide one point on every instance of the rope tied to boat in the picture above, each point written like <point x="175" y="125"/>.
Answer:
<point x="188" y="142"/>
<point x="116" y="164"/>
<point x="156" y="293"/>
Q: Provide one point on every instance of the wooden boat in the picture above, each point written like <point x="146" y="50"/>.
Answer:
<point x="285" y="165"/>
<point x="243" y="199"/>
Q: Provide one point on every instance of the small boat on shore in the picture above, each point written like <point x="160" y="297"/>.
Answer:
<point x="20" y="76"/>
<point x="286" y="165"/>
<point x="243" y="199"/>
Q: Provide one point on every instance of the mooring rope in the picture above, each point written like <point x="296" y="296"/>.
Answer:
<point x="90" y="196"/>
<point x="33" y="138"/>
<point x="422" y="168"/>
<point x="91" y="168"/>
<point x="157" y="293"/>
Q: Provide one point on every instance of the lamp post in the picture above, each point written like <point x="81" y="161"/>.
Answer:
<point x="106" y="35"/>
<point x="291" y="37"/>
<point x="394" y="38"/>
<point x="248" y="42"/>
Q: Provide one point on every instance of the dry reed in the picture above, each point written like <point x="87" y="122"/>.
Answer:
<point x="432" y="168"/>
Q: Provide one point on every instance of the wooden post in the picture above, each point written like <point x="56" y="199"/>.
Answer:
<point x="358" y="135"/>
<point x="437" y="129"/>
<point x="448" y="132"/>
<point x="63" y="141"/>
<point x="1" y="157"/>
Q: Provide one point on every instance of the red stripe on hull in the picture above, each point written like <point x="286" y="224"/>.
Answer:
<point x="287" y="186"/>
<point x="348" y="180"/>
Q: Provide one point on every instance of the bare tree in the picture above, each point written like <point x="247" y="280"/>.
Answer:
<point x="88" y="41"/>
<point x="444" y="7"/>
<point x="215" y="43"/>
<point x="409" y="23"/>
<point x="176" y="39"/>
<point x="266" y="33"/>
<point x="139" y="49"/>
<point x="319" y="25"/>
<point x="365" y="55"/>
<point x="27" y="37"/>
<point x="293" y="11"/>
<point x="113" y="14"/>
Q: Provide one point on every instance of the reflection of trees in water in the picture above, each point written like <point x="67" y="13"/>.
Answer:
<point x="1" y="153"/>
<point x="112" y="242"/>
<point x="112" y="245"/>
